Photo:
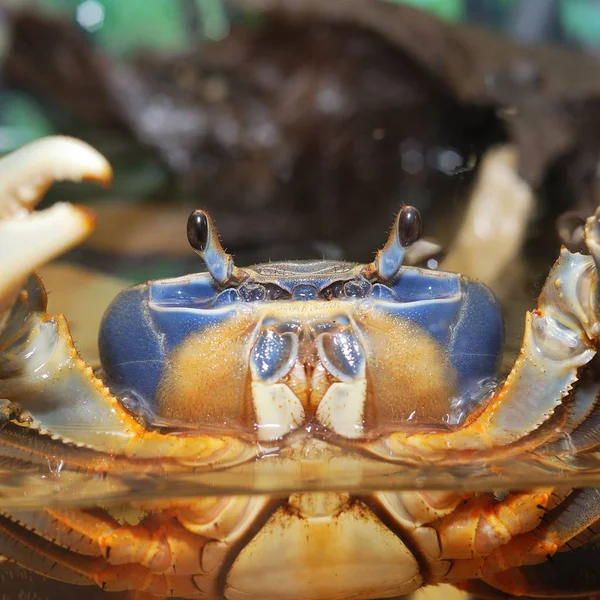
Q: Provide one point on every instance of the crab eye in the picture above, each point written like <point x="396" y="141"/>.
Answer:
<point x="197" y="230"/>
<point x="203" y="238"/>
<point x="409" y="226"/>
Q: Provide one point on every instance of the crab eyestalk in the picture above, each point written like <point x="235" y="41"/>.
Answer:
<point x="203" y="238"/>
<point x="405" y="232"/>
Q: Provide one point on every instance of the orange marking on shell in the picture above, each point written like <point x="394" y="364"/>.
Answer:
<point x="205" y="378"/>
<point x="410" y="377"/>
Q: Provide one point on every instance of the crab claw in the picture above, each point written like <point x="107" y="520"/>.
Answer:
<point x="28" y="240"/>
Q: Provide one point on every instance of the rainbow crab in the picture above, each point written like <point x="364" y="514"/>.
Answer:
<point x="299" y="430"/>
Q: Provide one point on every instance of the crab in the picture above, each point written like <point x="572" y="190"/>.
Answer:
<point x="301" y="430"/>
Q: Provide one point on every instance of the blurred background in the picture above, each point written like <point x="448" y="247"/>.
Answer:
<point x="302" y="126"/>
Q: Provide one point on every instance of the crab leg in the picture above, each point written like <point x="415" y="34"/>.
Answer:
<point x="27" y="549"/>
<point x="582" y="430"/>
<point x="561" y="527"/>
<point x="179" y="551"/>
<point x="14" y="580"/>
<point x="15" y="545"/>
<point x="37" y="555"/>
<point x="569" y="574"/>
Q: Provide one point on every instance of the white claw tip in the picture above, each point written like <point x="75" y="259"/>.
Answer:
<point x="29" y="240"/>
<point x="27" y="173"/>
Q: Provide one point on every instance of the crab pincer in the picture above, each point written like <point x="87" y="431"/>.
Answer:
<point x="29" y="239"/>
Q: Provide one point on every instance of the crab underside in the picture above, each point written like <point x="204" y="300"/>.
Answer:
<point x="303" y="430"/>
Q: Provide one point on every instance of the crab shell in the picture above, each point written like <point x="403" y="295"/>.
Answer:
<point x="304" y="371"/>
<point x="404" y="353"/>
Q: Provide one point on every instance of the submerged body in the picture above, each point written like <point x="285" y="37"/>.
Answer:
<point x="287" y="400"/>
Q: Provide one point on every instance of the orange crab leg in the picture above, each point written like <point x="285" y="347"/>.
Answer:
<point x="479" y="529"/>
<point x="479" y="526"/>
<point x="172" y="556"/>
<point x="559" y="527"/>
<point x="568" y="574"/>
<point x="178" y="550"/>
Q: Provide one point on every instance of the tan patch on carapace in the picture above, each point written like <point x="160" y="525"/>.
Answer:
<point x="206" y="378"/>
<point x="411" y="380"/>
